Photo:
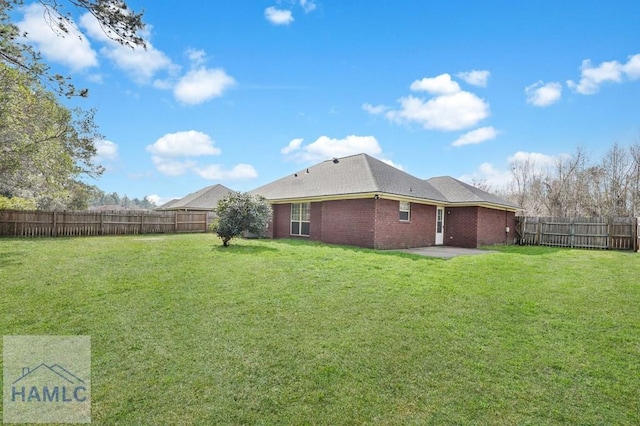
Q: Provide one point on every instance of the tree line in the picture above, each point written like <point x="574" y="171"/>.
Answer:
<point x="113" y="199"/>
<point x="574" y="185"/>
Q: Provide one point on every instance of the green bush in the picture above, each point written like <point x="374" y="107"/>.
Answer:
<point x="16" y="203"/>
<point x="238" y="213"/>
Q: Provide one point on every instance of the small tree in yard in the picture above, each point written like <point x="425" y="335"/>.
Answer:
<point x="240" y="212"/>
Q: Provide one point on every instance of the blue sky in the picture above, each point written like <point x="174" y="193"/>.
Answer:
<point x="244" y="92"/>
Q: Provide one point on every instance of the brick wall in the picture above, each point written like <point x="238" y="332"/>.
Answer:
<point x="375" y="224"/>
<point x="281" y="221"/>
<point x="315" y="222"/>
<point x="461" y="226"/>
<point x="348" y="222"/>
<point x="390" y="232"/>
<point x="492" y="226"/>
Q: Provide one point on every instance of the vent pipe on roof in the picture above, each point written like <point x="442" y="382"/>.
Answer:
<point x="335" y="160"/>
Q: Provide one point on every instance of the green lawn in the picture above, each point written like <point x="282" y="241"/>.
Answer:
<point x="291" y="332"/>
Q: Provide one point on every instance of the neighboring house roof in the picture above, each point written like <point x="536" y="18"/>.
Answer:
<point x="204" y="199"/>
<point x="363" y="175"/>
<point x="167" y="204"/>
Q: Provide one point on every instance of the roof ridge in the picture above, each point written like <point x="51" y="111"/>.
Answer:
<point x="373" y="177"/>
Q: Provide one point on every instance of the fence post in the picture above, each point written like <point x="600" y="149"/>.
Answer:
<point x="54" y="228"/>
<point x="572" y="232"/>
<point x="609" y="233"/>
<point x="538" y="236"/>
<point x="175" y="222"/>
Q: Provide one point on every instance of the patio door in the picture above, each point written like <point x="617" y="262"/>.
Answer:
<point x="439" y="226"/>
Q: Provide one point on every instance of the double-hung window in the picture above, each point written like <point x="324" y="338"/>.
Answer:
<point x="300" y="218"/>
<point x="405" y="211"/>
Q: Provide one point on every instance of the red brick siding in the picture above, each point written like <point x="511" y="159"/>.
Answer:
<point x="461" y="226"/>
<point x="281" y="221"/>
<point x="315" y="222"/>
<point x="348" y="222"/>
<point x="390" y="232"/>
<point x="492" y="226"/>
<point x="375" y="224"/>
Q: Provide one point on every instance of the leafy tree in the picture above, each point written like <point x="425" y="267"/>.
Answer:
<point x="116" y="19"/>
<point x="238" y="213"/>
<point x="44" y="147"/>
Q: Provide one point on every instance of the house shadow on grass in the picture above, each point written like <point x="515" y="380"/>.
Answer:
<point x="296" y="242"/>
<point x="527" y="250"/>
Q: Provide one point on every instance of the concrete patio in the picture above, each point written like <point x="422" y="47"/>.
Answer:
<point x="445" y="252"/>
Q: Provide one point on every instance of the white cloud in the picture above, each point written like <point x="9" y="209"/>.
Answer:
<point x="308" y="5"/>
<point x="141" y="64"/>
<point x="201" y="85"/>
<point x="543" y="94"/>
<point x="158" y="200"/>
<point x="278" y="16"/>
<point x="475" y="78"/>
<point x="452" y="112"/>
<point x="632" y="67"/>
<point x="593" y="77"/>
<point x="476" y="136"/>
<point x="440" y="85"/>
<point x="449" y="109"/>
<point x="173" y="153"/>
<point x="71" y="49"/>
<point x="196" y="56"/>
<point x="184" y="144"/>
<point x="375" y="109"/>
<point x="294" y="145"/>
<point x="325" y="147"/>
<point x="487" y="172"/>
<point x="106" y="150"/>
<point x="217" y="172"/>
<point x="537" y="160"/>
<point x="392" y="164"/>
<point x="171" y="167"/>
<point x="498" y="179"/>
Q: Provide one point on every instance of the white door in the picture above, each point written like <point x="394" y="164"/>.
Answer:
<point x="439" y="226"/>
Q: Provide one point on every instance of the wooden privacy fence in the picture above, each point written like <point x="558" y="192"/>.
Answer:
<point x="78" y="223"/>
<point x="618" y="233"/>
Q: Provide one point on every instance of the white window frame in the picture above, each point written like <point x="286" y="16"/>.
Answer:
<point x="404" y="207"/>
<point x="300" y="215"/>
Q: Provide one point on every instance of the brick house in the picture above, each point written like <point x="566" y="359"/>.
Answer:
<point x="361" y="201"/>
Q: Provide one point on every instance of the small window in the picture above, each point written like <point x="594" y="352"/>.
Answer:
<point x="300" y="218"/>
<point x="405" y="209"/>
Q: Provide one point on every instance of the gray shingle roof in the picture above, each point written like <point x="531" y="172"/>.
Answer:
<point x="460" y="192"/>
<point x="204" y="199"/>
<point x="362" y="174"/>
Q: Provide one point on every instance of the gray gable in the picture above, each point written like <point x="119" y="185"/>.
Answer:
<point x="460" y="192"/>
<point x="363" y="174"/>
<point x="357" y="174"/>
<point x="204" y="199"/>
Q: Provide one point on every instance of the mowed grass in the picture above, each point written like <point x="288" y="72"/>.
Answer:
<point x="291" y="332"/>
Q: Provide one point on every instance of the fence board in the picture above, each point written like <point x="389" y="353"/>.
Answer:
<point x="619" y="233"/>
<point x="83" y="223"/>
